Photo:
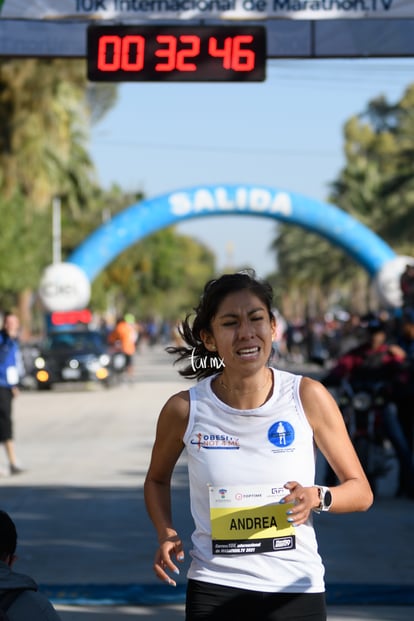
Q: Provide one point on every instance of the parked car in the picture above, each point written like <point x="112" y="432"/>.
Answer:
<point x="77" y="355"/>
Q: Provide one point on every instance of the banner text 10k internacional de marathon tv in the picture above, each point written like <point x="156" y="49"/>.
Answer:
<point x="148" y="10"/>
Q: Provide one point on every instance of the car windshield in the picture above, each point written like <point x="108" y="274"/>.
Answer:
<point x="74" y="341"/>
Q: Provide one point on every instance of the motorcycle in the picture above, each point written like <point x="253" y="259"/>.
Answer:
<point x="363" y="405"/>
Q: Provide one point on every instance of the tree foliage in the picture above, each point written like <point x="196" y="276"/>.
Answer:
<point x="376" y="186"/>
<point x="44" y="125"/>
<point x="46" y="111"/>
<point x="22" y="248"/>
<point x="162" y="276"/>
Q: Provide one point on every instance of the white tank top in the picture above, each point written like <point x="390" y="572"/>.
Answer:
<point x="269" y="445"/>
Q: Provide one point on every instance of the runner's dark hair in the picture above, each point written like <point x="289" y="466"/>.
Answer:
<point x="200" y="319"/>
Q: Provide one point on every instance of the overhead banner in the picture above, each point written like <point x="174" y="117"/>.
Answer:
<point x="134" y="10"/>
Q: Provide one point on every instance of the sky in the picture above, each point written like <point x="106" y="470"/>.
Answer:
<point x="286" y="132"/>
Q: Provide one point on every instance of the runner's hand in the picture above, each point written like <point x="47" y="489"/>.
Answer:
<point x="171" y="547"/>
<point x="304" y="499"/>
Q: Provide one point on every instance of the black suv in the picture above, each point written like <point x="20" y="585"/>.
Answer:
<point x="77" y="355"/>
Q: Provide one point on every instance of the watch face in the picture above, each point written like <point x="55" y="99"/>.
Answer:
<point x="327" y="501"/>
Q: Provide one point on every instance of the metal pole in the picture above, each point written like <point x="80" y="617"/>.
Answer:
<point x="56" y="230"/>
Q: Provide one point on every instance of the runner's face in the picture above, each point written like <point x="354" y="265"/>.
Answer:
<point x="242" y="331"/>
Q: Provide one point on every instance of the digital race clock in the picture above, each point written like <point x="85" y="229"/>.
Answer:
<point x="223" y="53"/>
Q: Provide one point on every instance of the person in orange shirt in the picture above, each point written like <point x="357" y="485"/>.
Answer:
<point x="124" y="338"/>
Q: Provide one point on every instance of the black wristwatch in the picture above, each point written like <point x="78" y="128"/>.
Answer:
<point x="325" y="499"/>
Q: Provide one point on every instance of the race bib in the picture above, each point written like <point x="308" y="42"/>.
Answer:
<point x="250" y="520"/>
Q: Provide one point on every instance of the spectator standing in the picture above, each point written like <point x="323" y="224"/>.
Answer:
<point x="407" y="286"/>
<point x="405" y="395"/>
<point x="124" y="338"/>
<point x="11" y="371"/>
<point x="18" y="592"/>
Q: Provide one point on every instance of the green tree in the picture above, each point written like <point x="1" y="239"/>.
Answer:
<point x="45" y="112"/>
<point x="21" y="230"/>
<point x="376" y="186"/>
<point x="161" y="275"/>
<point x="45" y="115"/>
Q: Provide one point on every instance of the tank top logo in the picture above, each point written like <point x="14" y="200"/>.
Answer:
<point x="281" y="434"/>
<point x="213" y="441"/>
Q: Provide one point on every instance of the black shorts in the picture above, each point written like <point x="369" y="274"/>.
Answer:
<point x="6" y="397"/>
<point x="213" y="602"/>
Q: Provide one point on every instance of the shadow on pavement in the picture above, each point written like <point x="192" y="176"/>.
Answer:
<point x="374" y="613"/>
<point x="176" y="613"/>
<point x="74" y="535"/>
<point x="156" y="613"/>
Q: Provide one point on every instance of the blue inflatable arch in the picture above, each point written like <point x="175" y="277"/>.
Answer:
<point x="148" y="216"/>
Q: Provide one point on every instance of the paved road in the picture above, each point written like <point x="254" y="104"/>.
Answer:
<point x="85" y="536"/>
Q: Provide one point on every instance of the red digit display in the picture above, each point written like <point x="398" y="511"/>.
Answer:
<point x="133" y="53"/>
<point x="176" y="53"/>
<point x="242" y="57"/>
<point x="116" y="53"/>
<point x="224" y="52"/>
<point x="192" y="51"/>
<point x="109" y="53"/>
<point x="169" y="52"/>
